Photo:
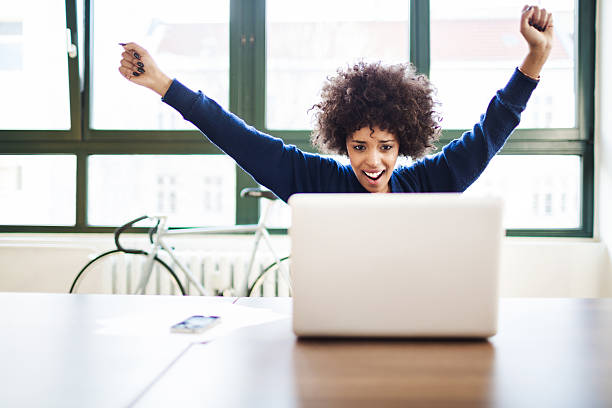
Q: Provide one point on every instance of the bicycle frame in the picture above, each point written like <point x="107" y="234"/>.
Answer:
<point x="162" y="231"/>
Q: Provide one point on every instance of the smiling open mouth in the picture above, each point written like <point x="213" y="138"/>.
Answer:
<point x="374" y="176"/>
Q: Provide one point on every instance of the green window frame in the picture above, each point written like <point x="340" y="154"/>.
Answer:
<point x="248" y="100"/>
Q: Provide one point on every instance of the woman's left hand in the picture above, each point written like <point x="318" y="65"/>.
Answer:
<point x="537" y="28"/>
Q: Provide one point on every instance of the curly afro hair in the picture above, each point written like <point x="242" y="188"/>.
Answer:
<point x="392" y="97"/>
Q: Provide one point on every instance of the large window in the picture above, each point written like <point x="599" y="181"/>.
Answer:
<point x="308" y="41"/>
<point x="38" y="189"/>
<point x="83" y="150"/>
<point x="192" y="190"/>
<point x="473" y="50"/>
<point x="33" y="65"/>
<point x="189" y="39"/>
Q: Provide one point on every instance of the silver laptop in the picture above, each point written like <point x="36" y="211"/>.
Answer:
<point x="395" y="265"/>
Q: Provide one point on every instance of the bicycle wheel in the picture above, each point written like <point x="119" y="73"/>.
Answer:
<point x="118" y="272"/>
<point x="276" y="274"/>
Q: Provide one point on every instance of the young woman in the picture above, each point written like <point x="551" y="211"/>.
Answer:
<point x="371" y="112"/>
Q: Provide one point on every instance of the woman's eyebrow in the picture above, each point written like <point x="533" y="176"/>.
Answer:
<point x="379" y="141"/>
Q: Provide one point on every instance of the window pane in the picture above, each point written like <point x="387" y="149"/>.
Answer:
<point x="279" y="214"/>
<point x="308" y="41"/>
<point x="193" y="190"/>
<point x="34" y="65"/>
<point x="37" y="190"/>
<point x="189" y="40"/>
<point x="475" y="46"/>
<point x="538" y="191"/>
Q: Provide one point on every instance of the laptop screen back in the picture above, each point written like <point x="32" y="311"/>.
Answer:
<point x="395" y="264"/>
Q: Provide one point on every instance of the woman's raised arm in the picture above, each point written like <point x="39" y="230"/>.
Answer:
<point x="462" y="161"/>
<point x="282" y="168"/>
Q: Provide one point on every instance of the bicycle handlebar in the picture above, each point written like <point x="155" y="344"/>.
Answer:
<point x="127" y="226"/>
<point x="258" y="192"/>
<point x="153" y="231"/>
<point x="245" y="192"/>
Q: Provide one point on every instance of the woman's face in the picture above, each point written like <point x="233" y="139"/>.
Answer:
<point x="373" y="157"/>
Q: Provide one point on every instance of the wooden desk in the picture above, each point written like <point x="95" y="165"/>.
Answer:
<point x="548" y="353"/>
<point x="87" y="350"/>
<point x="62" y="350"/>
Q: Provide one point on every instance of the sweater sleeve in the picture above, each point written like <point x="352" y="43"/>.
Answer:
<point x="284" y="169"/>
<point x="462" y="161"/>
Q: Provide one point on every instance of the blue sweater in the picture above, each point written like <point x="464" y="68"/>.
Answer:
<point x="287" y="170"/>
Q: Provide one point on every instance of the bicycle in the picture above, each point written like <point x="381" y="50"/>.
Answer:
<point x="159" y="248"/>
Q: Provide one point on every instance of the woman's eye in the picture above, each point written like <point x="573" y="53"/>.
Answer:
<point x="359" y="147"/>
<point x="387" y="147"/>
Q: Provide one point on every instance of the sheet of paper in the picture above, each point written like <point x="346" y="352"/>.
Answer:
<point x="158" y="323"/>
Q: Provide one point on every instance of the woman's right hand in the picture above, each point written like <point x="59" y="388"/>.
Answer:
<point x="138" y="66"/>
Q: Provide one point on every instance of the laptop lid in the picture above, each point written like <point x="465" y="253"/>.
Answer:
<point x="395" y="265"/>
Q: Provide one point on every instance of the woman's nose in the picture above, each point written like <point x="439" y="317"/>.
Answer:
<point x="373" y="159"/>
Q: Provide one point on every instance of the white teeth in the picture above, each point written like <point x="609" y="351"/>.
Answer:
<point x="373" y="175"/>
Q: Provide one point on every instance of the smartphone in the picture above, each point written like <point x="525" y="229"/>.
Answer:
<point x="195" y="324"/>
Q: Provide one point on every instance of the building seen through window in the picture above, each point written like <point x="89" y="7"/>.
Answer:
<point x="191" y="190"/>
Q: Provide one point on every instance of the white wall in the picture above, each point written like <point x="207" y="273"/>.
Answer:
<point x="603" y="124"/>
<point x="49" y="262"/>
<point x="555" y="268"/>
<point x="530" y="267"/>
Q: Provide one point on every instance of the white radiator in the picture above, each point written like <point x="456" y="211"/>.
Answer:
<point x="222" y="273"/>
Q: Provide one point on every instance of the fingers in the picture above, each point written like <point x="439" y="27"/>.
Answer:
<point x="136" y="70"/>
<point x="127" y="73"/>
<point x="535" y="17"/>
<point x="135" y="63"/>
<point x="549" y="22"/>
<point x="541" y="22"/>
<point x="135" y="47"/>
<point x="136" y="50"/>
<point x="526" y="17"/>
<point x="128" y="58"/>
<point x="131" y="62"/>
